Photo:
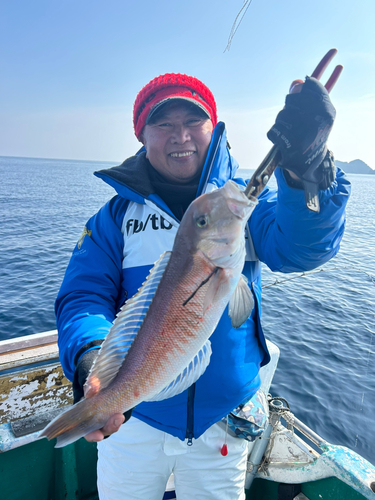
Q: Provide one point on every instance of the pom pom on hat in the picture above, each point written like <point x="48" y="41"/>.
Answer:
<point x="167" y="87"/>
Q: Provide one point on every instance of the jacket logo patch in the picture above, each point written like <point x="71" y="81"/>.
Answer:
<point x="157" y="222"/>
<point x="80" y="241"/>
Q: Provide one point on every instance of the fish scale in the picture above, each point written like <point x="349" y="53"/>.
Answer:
<point x="178" y="334"/>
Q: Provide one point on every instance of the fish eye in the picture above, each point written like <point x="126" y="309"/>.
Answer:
<point x="201" y="221"/>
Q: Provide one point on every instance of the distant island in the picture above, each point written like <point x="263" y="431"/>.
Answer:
<point x="355" y="167"/>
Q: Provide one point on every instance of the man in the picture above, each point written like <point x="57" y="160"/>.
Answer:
<point x="185" y="154"/>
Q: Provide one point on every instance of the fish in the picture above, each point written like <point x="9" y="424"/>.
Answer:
<point x="159" y="342"/>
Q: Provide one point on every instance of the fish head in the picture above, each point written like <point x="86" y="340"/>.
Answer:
<point x="215" y="224"/>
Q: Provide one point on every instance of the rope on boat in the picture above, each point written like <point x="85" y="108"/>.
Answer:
<point x="307" y="273"/>
<point x="279" y="408"/>
<point x="276" y="406"/>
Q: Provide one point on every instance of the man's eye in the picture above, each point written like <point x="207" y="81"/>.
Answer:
<point x="164" y="125"/>
<point x="194" y="122"/>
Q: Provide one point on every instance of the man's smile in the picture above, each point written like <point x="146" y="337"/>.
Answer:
<point x="182" y="154"/>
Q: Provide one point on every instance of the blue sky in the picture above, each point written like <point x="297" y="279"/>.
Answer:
<point x="71" y="70"/>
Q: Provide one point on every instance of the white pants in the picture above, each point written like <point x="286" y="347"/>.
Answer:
<point x="137" y="461"/>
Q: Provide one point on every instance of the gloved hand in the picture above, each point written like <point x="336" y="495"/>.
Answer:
<point x="80" y="375"/>
<point x="301" y="131"/>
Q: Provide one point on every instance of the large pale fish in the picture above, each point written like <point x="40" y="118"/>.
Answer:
<point x="158" y="345"/>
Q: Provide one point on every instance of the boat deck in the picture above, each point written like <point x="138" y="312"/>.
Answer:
<point x="33" y="388"/>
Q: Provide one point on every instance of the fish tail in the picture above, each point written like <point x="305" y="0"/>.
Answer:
<point x="73" y="424"/>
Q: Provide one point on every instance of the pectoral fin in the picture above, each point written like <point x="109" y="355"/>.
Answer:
<point x="241" y="303"/>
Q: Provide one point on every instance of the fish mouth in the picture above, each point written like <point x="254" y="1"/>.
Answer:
<point x="237" y="202"/>
<point x="239" y="209"/>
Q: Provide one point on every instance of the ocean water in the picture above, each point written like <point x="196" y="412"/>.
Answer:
<point x="323" y="322"/>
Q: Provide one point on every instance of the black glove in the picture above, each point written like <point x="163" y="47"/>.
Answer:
<point x="300" y="132"/>
<point x="80" y="376"/>
<point x="81" y="373"/>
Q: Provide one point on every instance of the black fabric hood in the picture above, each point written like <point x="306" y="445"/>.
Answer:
<point x="132" y="173"/>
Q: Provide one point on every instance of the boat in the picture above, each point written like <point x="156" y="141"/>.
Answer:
<point x="289" y="461"/>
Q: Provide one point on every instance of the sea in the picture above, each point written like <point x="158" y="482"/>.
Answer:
<point x="322" y="321"/>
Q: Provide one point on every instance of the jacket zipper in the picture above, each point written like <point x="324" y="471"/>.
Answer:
<point x="191" y="390"/>
<point x="190" y="415"/>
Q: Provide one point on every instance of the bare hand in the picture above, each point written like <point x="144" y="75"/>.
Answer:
<point x="113" y="424"/>
<point x="296" y="85"/>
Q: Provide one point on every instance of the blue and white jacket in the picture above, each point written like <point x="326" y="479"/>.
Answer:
<point x="123" y="240"/>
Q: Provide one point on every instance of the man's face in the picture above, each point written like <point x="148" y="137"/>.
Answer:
<point x="177" y="141"/>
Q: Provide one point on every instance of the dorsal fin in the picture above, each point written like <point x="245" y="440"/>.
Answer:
<point x="124" y="330"/>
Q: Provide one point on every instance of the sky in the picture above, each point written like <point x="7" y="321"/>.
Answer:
<point x="70" y="70"/>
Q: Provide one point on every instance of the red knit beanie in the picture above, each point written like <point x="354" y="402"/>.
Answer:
<point x="172" y="86"/>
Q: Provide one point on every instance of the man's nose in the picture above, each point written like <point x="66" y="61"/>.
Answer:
<point x="181" y="134"/>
